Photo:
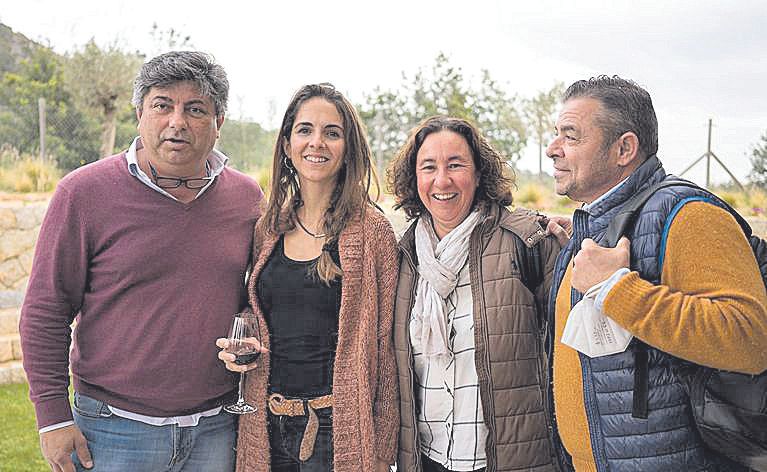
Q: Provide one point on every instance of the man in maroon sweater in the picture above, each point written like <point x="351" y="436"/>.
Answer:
<point x="147" y="250"/>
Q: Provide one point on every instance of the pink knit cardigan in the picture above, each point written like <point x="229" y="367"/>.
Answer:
<point x="365" y="403"/>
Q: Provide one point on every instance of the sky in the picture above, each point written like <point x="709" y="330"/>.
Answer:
<point x="699" y="59"/>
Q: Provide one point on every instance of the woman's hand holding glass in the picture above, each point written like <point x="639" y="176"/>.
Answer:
<point x="239" y="363"/>
<point x="241" y="348"/>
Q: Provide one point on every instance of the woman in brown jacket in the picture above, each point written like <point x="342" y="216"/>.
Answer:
<point x="322" y="285"/>
<point x="468" y="330"/>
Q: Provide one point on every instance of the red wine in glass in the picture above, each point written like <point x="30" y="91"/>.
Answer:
<point x="244" y="341"/>
<point x="245" y="353"/>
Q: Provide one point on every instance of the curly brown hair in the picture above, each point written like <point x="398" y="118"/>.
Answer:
<point x="496" y="179"/>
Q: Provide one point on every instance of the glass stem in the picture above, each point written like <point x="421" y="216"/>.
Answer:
<point x="240" y="399"/>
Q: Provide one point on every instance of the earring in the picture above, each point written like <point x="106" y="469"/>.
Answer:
<point x="288" y="164"/>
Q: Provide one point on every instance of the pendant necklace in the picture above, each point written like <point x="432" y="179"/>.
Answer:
<point x="316" y="236"/>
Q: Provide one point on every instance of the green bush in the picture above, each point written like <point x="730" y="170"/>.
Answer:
<point x="28" y="175"/>
<point x="734" y="199"/>
<point x="529" y="195"/>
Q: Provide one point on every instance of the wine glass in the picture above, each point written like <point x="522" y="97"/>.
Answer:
<point x="244" y="342"/>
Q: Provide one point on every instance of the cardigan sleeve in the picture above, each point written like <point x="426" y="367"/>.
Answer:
<point x="386" y="404"/>
<point x="710" y="307"/>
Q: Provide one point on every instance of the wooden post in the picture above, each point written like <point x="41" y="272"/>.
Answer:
<point x="708" y="155"/>
<point x="41" y="121"/>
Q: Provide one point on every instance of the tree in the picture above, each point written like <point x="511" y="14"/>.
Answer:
<point x="442" y="90"/>
<point x="498" y="116"/>
<point x="388" y="119"/>
<point x="247" y="144"/>
<point x="168" y="40"/>
<point x="759" y="162"/>
<point x="70" y="135"/>
<point x="101" y="79"/>
<point x="539" y="113"/>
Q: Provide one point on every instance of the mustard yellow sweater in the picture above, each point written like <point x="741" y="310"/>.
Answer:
<point x="710" y="308"/>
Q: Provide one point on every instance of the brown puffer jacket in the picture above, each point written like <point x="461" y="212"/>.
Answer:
<point x="512" y="369"/>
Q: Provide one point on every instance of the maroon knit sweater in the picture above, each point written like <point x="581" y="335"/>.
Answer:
<point x="153" y="282"/>
<point x="365" y="403"/>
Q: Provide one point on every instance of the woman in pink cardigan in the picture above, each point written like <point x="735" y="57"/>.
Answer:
<point x="324" y="273"/>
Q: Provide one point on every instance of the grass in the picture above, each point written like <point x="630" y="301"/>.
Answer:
<point x="19" y="442"/>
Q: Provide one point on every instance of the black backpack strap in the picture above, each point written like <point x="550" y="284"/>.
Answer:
<point x="620" y="225"/>
<point x="531" y="271"/>
<point x="641" y="395"/>
<point x="530" y="265"/>
<point x="626" y="217"/>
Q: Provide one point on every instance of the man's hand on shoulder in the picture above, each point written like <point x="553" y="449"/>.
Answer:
<point x="57" y="446"/>
<point x="561" y="227"/>
<point x="594" y="264"/>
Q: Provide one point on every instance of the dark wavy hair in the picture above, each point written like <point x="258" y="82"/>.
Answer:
<point x="351" y="194"/>
<point x="178" y="66"/>
<point x="496" y="178"/>
<point x="626" y="107"/>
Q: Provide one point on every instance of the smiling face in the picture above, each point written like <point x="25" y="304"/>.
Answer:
<point x="316" y="145"/>
<point x="178" y="126"/>
<point x="447" y="179"/>
<point x="584" y="168"/>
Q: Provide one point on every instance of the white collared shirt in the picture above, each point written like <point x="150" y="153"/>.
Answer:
<point x="450" y="422"/>
<point x="216" y="159"/>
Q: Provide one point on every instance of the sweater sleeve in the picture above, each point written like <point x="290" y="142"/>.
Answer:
<point x="53" y="298"/>
<point x="710" y="307"/>
<point x="386" y="405"/>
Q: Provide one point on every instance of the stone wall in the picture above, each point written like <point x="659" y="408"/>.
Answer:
<point x="20" y="219"/>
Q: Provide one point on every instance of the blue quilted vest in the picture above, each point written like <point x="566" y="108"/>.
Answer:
<point x="667" y="439"/>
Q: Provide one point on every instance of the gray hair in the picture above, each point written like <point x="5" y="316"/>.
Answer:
<point x="177" y="66"/>
<point x="627" y="107"/>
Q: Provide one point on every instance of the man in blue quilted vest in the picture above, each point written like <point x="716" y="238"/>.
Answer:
<point x="685" y="285"/>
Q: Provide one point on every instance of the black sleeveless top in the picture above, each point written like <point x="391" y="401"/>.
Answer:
<point x="302" y="315"/>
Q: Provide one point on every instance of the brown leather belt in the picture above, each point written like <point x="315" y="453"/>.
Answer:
<point x="281" y="406"/>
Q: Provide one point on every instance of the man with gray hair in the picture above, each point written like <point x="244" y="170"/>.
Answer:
<point x="147" y="251"/>
<point x="685" y="286"/>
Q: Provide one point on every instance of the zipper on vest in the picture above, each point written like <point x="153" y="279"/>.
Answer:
<point x="595" y="429"/>
<point x="544" y="386"/>
<point x="411" y="370"/>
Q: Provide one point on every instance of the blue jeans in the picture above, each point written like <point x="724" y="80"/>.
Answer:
<point x="285" y="434"/>
<point x="118" y="444"/>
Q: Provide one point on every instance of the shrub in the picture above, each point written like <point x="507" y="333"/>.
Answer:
<point x="28" y="175"/>
<point x="757" y="202"/>
<point x="734" y="199"/>
<point x="530" y="195"/>
<point x="262" y="175"/>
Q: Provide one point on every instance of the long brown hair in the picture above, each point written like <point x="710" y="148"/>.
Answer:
<point x="351" y="195"/>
